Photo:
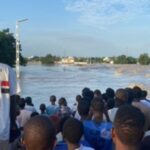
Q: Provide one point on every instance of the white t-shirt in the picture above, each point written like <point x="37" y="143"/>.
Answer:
<point x="146" y="110"/>
<point x="84" y="148"/>
<point x="30" y="108"/>
<point x="23" y="117"/>
<point x="77" y="116"/>
<point x="112" y="113"/>
<point x="8" y="87"/>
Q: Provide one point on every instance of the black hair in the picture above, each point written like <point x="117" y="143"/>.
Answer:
<point x="121" y="97"/>
<point x="78" y="98"/>
<point x="110" y="93"/>
<point x="97" y="105"/>
<point x="98" y="93"/>
<point x="85" y="92"/>
<point x="144" y="94"/>
<point x="137" y="92"/>
<point x="129" y="125"/>
<point x="53" y="98"/>
<point x="83" y="108"/>
<point x="39" y="133"/>
<point x="42" y="107"/>
<point x="62" y="101"/>
<point x="73" y="131"/>
<point x="28" y="101"/>
<point x="130" y="95"/>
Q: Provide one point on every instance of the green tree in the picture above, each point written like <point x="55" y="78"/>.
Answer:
<point x="131" y="60"/>
<point x="48" y="59"/>
<point x="8" y="49"/>
<point x="144" y="59"/>
<point x="121" y="59"/>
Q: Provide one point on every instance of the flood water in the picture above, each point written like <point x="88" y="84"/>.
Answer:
<point x="40" y="81"/>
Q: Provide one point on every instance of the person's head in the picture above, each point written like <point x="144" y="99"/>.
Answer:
<point x="144" y="94"/>
<point x="130" y="95"/>
<point x="62" y="102"/>
<point x="72" y="131"/>
<point x="97" y="106"/>
<point x="110" y="93"/>
<point x="78" y="98"/>
<point x="121" y="97"/>
<point x="42" y="108"/>
<point x="83" y="109"/>
<point x="22" y="103"/>
<point x="128" y="128"/>
<point x="137" y="93"/>
<point x="28" y="101"/>
<point x="85" y="92"/>
<point x="53" y="99"/>
<point x="97" y="93"/>
<point x="39" y="134"/>
<point x="145" y="145"/>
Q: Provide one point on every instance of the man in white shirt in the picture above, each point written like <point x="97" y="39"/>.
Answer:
<point x="143" y="105"/>
<point x="121" y="99"/>
<point x="8" y="88"/>
<point x="24" y="115"/>
<point x="144" y="98"/>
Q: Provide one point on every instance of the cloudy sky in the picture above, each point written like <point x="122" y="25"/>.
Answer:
<point x="80" y="27"/>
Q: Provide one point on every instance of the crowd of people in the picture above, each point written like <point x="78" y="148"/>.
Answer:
<point x="113" y="120"/>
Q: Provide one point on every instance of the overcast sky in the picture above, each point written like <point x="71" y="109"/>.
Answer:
<point x="80" y="27"/>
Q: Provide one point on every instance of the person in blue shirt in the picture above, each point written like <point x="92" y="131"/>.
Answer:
<point x="72" y="131"/>
<point x="97" y="132"/>
<point x="53" y="108"/>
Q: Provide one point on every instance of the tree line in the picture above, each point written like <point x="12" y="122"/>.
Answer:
<point x="143" y="59"/>
<point x="8" y="55"/>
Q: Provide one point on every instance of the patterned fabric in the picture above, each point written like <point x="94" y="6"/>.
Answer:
<point x="98" y="135"/>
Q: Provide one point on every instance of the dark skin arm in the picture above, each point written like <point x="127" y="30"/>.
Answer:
<point x="13" y="114"/>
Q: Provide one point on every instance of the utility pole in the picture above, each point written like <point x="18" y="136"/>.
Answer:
<point x="18" y="48"/>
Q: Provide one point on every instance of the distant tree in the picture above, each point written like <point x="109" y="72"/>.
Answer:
<point x="144" y="59"/>
<point x="121" y="60"/>
<point x="48" y="59"/>
<point x="8" y="49"/>
<point x="131" y="60"/>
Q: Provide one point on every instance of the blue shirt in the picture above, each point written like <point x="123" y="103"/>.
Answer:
<point x="52" y="109"/>
<point x="98" y="135"/>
